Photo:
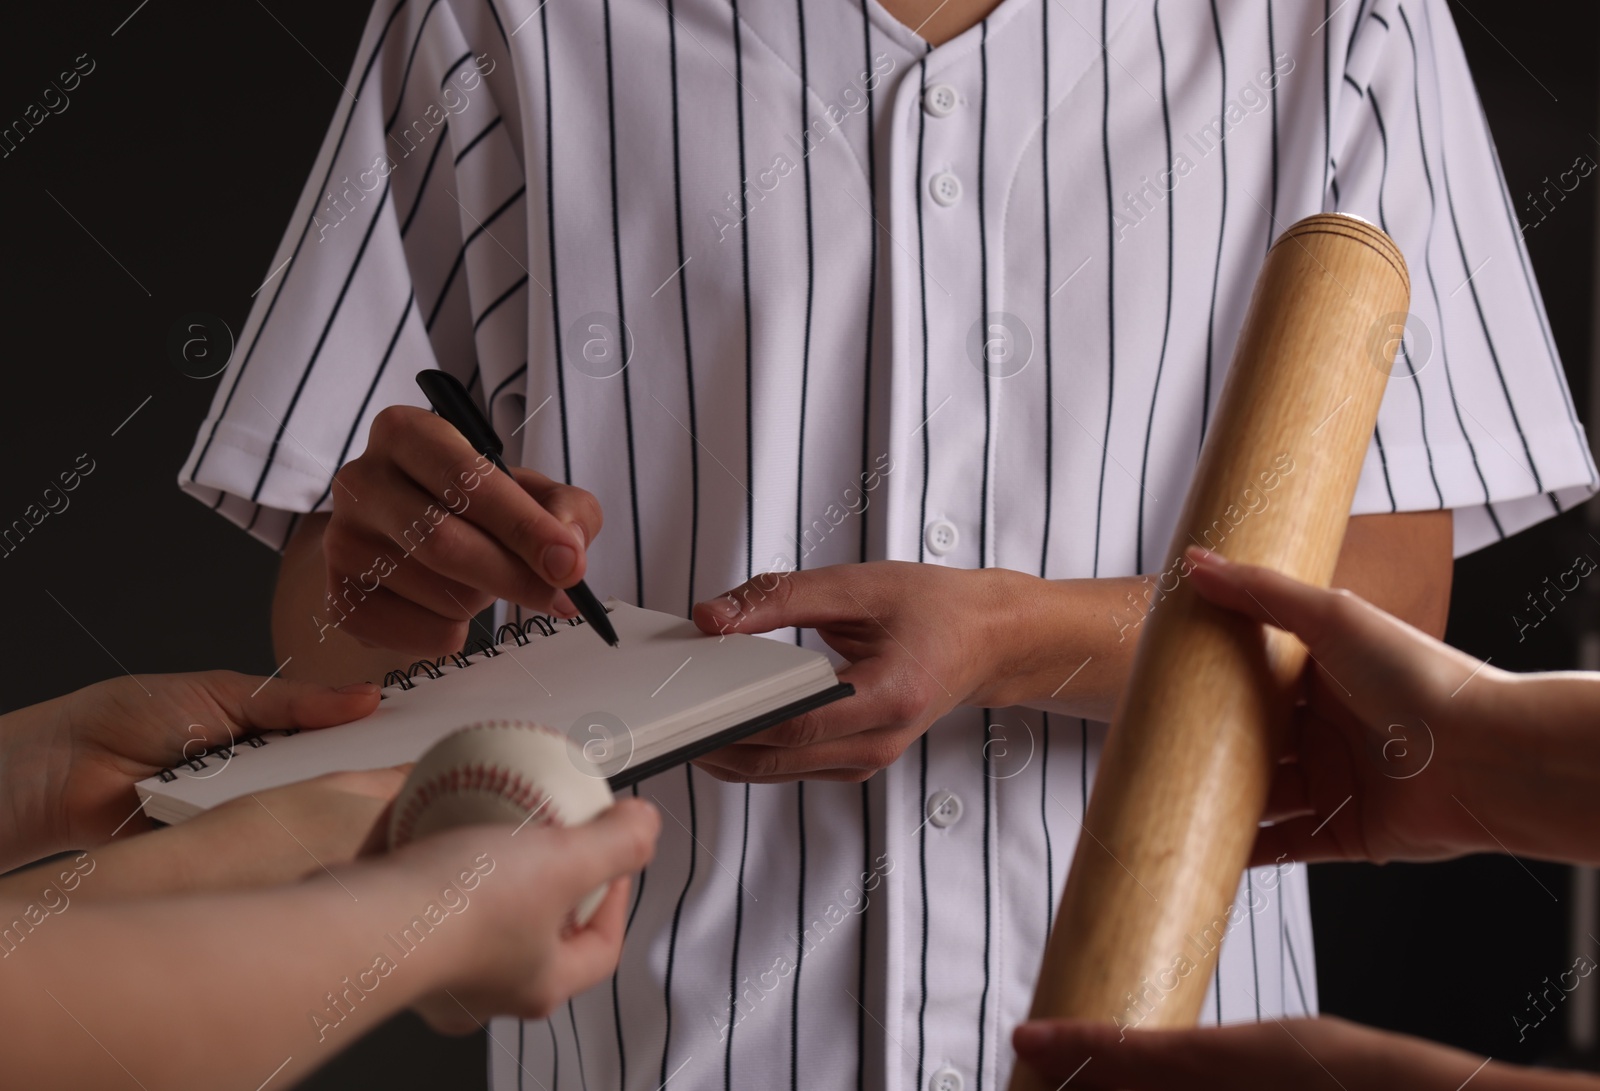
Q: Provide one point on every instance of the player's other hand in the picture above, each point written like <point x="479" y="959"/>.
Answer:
<point x="1281" y="1055"/>
<point x="1392" y="720"/>
<point x="909" y="661"/>
<point x="524" y="955"/>
<point x="426" y="532"/>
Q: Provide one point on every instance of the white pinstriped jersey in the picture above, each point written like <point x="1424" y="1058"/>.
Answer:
<point x="809" y="225"/>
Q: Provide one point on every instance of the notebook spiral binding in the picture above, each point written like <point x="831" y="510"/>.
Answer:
<point x="405" y="678"/>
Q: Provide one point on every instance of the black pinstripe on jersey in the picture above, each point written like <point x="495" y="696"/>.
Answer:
<point x="1048" y="246"/>
<point x="577" y="1045"/>
<point x="559" y="361"/>
<point x="1166" y="323"/>
<point x="925" y="429"/>
<point x="461" y="255"/>
<point x="922" y="876"/>
<point x="516" y="286"/>
<point x="799" y="932"/>
<point x="1049" y="444"/>
<point x="872" y="264"/>
<point x="473" y="143"/>
<point x="555" y="1054"/>
<point x="1272" y="55"/>
<point x="984" y="482"/>
<point x="1044" y="822"/>
<point x="683" y="304"/>
<point x="744" y="258"/>
<point x="500" y="387"/>
<point x="622" y="308"/>
<point x="1222" y="226"/>
<point x="866" y="466"/>
<point x="677" y="921"/>
<point x="805" y="337"/>
<point x="616" y="995"/>
<point x="733" y="960"/>
<point x="427" y="173"/>
<point x="862" y="933"/>
<point x="1111" y="277"/>
<point x="988" y="900"/>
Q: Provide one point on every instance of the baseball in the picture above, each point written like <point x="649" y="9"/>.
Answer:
<point x="502" y="772"/>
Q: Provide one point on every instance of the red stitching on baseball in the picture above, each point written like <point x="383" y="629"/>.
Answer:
<point x="479" y="777"/>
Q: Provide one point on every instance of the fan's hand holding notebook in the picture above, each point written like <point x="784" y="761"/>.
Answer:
<point x="667" y="695"/>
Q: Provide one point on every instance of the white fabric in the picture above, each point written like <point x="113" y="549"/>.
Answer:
<point x="795" y="333"/>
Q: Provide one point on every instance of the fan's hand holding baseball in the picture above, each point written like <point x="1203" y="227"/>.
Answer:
<point x="68" y="765"/>
<point x="283" y="835"/>
<point x="522" y="955"/>
<point x="469" y="920"/>
<point x="1407" y="749"/>
<point x="431" y="534"/>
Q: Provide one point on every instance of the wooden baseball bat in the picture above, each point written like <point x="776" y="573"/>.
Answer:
<point x="1183" y="778"/>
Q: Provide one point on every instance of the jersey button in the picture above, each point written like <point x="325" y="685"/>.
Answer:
<point x="945" y="187"/>
<point x="944" y="811"/>
<point x="941" y="537"/>
<point x="946" y="1079"/>
<point x="941" y="100"/>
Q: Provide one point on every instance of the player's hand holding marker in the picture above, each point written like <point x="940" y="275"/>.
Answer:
<point x="429" y="533"/>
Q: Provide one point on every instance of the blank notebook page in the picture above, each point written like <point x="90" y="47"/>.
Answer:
<point x="666" y="685"/>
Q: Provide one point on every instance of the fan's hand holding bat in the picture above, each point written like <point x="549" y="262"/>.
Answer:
<point x="1407" y="749"/>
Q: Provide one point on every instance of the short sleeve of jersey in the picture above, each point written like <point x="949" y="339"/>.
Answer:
<point x="406" y="251"/>
<point x="1477" y="416"/>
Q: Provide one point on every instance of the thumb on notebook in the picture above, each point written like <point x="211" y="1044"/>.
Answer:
<point x="102" y="739"/>
<point x="283" y="703"/>
<point x="224" y="704"/>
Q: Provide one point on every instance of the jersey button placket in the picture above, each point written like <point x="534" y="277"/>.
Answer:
<point x="941" y="536"/>
<point x="947" y="132"/>
<point x="945" y="188"/>
<point x="941" y="100"/>
<point x="944" y="809"/>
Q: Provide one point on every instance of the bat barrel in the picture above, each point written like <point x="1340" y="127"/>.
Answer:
<point x="1184" y="775"/>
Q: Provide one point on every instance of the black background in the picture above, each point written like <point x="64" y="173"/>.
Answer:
<point x="163" y="189"/>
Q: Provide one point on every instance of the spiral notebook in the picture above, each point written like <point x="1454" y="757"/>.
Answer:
<point x="667" y="694"/>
